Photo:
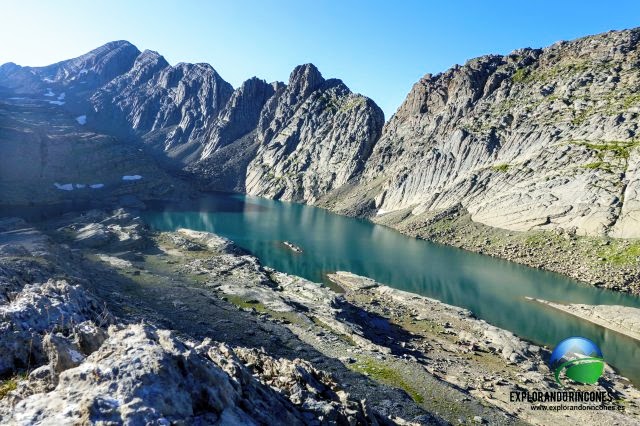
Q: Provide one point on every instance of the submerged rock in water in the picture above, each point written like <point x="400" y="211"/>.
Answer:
<point x="292" y="246"/>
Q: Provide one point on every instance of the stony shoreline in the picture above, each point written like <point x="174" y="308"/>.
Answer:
<point x="603" y="262"/>
<point x="621" y="319"/>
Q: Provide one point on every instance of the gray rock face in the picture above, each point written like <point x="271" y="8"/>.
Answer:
<point x="61" y="353"/>
<point x="231" y="143"/>
<point x="535" y="139"/>
<point x="37" y="311"/>
<point x="293" y="142"/>
<point x="305" y="386"/>
<point x="315" y="135"/>
<point x="168" y="106"/>
<point x="118" y="232"/>
<point x="240" y="116"/>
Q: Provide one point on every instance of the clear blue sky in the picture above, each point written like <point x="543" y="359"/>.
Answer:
<point x="377" y="48"/>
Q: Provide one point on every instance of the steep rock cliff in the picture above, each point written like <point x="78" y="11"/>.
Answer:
<point x="167" y="106"/>
<point x="315" y="135"/>
<point x="293" y="142"/>
<point x="537" y="139"/>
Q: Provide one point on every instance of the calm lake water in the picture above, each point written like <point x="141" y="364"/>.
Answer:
<point x="492" y="289"/>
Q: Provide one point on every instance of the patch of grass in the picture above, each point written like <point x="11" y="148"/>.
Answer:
<point x="630" y="100"/>
<point x="612" y="155"/>
<point x="288" y="317"/>
<point x="594" y="165"/>
<point x="330" y="103"/>
<point x="245" y="304"/>
<point x="598" y="165"/>
<point x="621" y="253"/>
<point x="569" y="67"/>
<point x="617" y="148"/>
<point x="9" y="385"/>
<point x="383" y="373"/>
<point x="344" y="337"/>
<point x="352" y="103"/>
<point x="582" y="116"/>
<point x="502" y="168"/>
<point x="540" y="238"/>
<point x="521" y="75"/>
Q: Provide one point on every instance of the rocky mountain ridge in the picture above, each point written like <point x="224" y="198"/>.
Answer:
<point x="270" y="139"/>
<point x="539" y="139"/>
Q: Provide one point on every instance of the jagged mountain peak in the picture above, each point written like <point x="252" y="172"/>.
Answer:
<point x="9" y="66"/>
<point x="119" y="52"/>
<point x="7" y="69"/>
<point x="253" y="85"/>
<point x="119" y="49"/>
<point x="253" y="80"/>
<point x="304" y="79"/>
<point x="111" y="46"/>
<point x="151" y="56"/>
<point x="183" y="71"/>
<point x="203" y="66"/>
<point x="239" y="117"/>
<point x="84" y="73"/>
<point x="116" y="44"/>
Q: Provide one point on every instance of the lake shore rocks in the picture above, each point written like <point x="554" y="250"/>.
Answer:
<point x="372" y="327"/>
<point x="69" y="360"/>
<point x="602" y="262"/>
<point x="621" y="319"/>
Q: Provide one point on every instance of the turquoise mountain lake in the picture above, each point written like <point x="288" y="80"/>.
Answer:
<point x="492" y="289"/>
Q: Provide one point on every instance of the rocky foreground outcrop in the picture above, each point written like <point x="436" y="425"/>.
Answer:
<point x="35" y="312"/>
<point x="142" y="375"/>
<point x="144" y="327"/>
<point x="76" y="363"/>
